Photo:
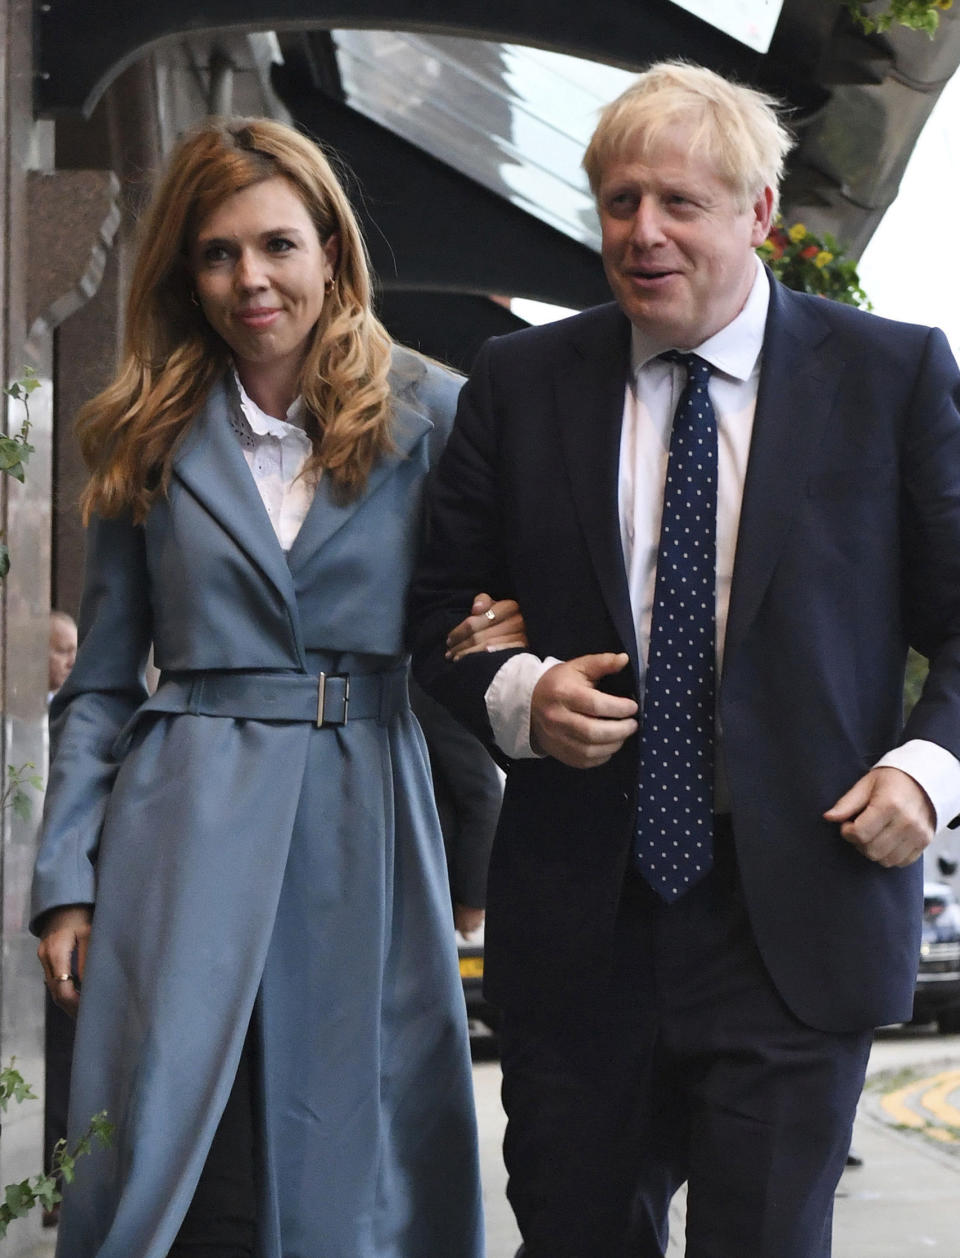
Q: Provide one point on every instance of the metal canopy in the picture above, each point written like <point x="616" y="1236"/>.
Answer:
<point x="859" y="103"/>
<point x="112" y="33"/>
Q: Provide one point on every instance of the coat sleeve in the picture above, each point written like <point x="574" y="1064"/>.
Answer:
<point x="104" y="689"/>
<point x="464" y="554"/>
<point x="931" y="542"/>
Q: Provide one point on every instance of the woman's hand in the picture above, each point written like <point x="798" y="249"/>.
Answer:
<point x="66" y="930"/>
<point x="491" y="626"/>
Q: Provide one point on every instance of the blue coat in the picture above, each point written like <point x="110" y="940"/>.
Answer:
<point x="237" y="861"/>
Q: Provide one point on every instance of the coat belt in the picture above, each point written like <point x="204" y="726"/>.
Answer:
<point x="324" y="700"/>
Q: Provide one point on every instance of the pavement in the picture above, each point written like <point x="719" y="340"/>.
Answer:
<point x="903" y="1202"/>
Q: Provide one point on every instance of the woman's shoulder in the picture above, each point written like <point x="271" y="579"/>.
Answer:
<point x="419" y="379"/>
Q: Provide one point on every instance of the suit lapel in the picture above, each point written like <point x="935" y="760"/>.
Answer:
<point x="211" y="465"/>
<point x="798" y="381"/>
<point x="589" y="401"/>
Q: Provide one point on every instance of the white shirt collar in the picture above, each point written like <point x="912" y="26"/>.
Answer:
<point x="735" y="349"/>
<point x="265" y="425"/>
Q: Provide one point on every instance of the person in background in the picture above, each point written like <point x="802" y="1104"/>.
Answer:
<point x="245" y="870"/>
<point x="58" y="1025"/>
<point x="724" y="509"/>
<point x="63" y="650"/>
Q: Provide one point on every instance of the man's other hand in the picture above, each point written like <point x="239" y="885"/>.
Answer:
<point x="887" y="815"/>
<point x="573" y="721"/>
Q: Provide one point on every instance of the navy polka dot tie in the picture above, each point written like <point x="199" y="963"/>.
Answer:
<point x="674" y="836"/>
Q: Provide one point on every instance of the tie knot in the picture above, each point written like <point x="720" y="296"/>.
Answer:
<point x="697" y="368"/>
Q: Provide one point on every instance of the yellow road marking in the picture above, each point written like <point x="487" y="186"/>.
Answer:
<point x="936" y="1099"/>
<point x="931" y="1095"/>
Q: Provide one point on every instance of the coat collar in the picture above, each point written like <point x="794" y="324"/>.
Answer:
<point x="211" y="465"/>
<point x="328" y="514"/>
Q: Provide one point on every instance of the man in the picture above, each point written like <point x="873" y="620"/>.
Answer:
<point x="704" y="892"/>
<point x="62" y="652"/>
<point x="59" y="1026"/>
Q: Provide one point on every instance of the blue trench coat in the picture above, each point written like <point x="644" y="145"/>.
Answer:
<point x="240" y="862"/>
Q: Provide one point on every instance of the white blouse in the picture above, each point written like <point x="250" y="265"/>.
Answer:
<point x="275" y="451"/>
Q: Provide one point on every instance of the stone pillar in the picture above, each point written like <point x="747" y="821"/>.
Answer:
<point x="24" y="609"/>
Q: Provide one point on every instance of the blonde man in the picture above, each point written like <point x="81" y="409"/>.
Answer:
<point x="704" y="891"/>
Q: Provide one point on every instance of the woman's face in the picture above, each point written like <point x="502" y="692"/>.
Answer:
<point x="259" y="269"/>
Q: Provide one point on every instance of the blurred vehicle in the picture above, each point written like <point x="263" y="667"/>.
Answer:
<point x="937" y="994"/>
<point x="470" y="952"/>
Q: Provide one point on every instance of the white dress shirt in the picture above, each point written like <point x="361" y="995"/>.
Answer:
<point x="650" y="399"/>
<point x="275" y="451"/>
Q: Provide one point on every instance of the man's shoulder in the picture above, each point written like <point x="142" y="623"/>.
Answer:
<point x="597" y="324"/>
<point x="857" y="326"/>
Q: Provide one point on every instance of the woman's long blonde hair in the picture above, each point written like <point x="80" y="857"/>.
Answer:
<point x="129" y="433"/>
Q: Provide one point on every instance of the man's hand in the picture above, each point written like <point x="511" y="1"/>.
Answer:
<point x="491" y="626"/>
<point x="573" y="721"/>
<point x="65" y="931"/>
<point x="887" y="815"/>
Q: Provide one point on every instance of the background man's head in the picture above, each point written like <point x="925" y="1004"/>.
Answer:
<point x="63" y="648"/>
<point x="686" y="169"/>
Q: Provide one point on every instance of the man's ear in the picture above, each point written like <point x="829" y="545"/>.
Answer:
<point x="762" y="210"/>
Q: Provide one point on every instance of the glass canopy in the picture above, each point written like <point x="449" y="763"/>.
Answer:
<point x="515" y="119"/>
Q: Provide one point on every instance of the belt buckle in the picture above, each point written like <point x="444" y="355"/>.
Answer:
<point x="322" y="679"/>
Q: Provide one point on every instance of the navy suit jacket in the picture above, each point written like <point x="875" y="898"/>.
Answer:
<point x="848" y="550"/>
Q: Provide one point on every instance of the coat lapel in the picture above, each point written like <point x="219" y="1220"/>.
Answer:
<point x="328" y="514"/>
<point x="798" y="381"/>
<point x="211" y="465"/>
<point x="589" y="402"/>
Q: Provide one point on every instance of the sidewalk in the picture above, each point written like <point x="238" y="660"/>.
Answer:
<point x="904" y="1202"/>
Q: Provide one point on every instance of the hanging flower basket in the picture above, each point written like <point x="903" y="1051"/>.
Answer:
<point x="917" y="15"/>
<point x="812" y="264"/>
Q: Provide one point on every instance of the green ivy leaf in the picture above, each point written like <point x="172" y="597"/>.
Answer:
<point x="13" y="1086"/>
<point x="19" y="1198"/>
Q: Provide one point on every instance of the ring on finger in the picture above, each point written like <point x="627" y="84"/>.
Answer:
<point x="490" y="614"/>
<point x="62" y="978"/>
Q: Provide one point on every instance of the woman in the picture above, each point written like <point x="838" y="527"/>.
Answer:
<point x="258" y="836"/>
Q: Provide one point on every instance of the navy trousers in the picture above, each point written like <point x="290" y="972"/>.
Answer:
<point x="222" y="1219"/>
<point x="693" y="1070"/>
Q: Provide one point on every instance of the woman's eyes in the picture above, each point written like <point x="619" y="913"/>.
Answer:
<point x="214" y="254"/>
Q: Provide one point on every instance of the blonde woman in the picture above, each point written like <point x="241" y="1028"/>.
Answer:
<point x="244" y="871"/>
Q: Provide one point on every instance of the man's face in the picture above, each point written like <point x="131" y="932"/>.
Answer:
<point x="677" y="246"/>
<point x="63" y="650"/>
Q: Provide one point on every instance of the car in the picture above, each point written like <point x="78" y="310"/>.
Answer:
<point x="470" y="953"/>
<point x="937" y="994"/>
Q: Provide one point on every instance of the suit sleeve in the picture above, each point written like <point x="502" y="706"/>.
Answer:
<point x="465" y="552"/>
<point x="104" y="689"/>
<point x="468" y="790"/>
<point x="931" y="542"/>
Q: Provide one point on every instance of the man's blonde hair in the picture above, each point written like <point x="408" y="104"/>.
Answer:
<point x="738" y="126"/>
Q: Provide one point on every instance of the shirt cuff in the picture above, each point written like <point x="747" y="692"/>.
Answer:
<point x="933" y="768"/>
<point x="508" y="703"/>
